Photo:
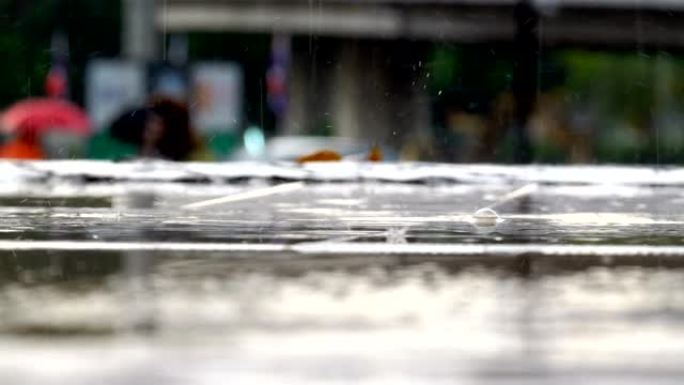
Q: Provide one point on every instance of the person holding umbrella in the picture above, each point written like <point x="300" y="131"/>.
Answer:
<point x="28" y="120"/>
<point x="140" y="127"/>
<point x="160" y="130"/>
<point x="179" y="140"/>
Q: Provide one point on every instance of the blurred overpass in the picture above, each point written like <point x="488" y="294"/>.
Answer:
<point x="367" y="82"/>
<point x="602" y="22"/>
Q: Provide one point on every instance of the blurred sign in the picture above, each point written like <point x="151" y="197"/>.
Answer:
<point x="111" y="87"/>
<point x="217" y="97"/>
<point x="169" y="81"/>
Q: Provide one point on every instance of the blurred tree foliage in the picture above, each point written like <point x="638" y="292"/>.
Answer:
<point x="26" y="28"/>
<point x="620" y="87"/>
<point x="625" y="106"/>
<point x="636" y="101"/>
<point x="469" y="75"/>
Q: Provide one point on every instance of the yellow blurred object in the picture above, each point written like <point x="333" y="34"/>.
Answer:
<point x="320" y="156"/>
<point x="375" y="154"/>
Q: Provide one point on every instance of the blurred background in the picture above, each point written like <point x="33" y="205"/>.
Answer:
<point x="558" y="81"/>
<point x="406" y="273"/>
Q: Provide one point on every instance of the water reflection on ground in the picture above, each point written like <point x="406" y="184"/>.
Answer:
<point x="255" y="305"/>
<point x="203" y="320"/>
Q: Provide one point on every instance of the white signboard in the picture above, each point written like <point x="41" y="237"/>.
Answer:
<point x="111" y="87"/>
<point x="217" y="97"/>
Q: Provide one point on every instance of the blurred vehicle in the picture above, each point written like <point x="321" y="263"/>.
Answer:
<point x="293" y="147"/>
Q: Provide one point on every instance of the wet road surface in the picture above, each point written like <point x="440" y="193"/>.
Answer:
<point x="357" y="281"/>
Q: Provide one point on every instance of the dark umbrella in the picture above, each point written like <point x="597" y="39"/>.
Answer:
<point x="130" y="126"/>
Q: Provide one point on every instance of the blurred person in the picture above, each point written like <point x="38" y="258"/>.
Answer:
<point x="44" y="128"/>
<point x="160" y="130"/>
<point x="140" y="127"/>
<point x="179" y="141"/>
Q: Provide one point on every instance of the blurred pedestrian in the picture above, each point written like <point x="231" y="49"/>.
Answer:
<point x="179" y="141"/>
<point x="160" y="130"/>
<point x="36" y="124"/>
<point x="140" y="127"/>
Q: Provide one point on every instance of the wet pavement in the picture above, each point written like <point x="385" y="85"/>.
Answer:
<point x="109" y="280"/>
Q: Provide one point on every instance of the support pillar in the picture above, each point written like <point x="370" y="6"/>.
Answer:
<point x="139" y="33"/>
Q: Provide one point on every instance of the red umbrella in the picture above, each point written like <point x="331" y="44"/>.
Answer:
<point x="45" y="114"/>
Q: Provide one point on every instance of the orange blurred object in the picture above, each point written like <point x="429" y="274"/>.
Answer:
<point x="375" y="154"/>
<point x="320" y="156"/>
<point x="20" y="148"/>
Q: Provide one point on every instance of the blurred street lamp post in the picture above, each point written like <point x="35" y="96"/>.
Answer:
<point x="525" y="72"/>
<point x="139" y="32"/>
<point x="140" y="43"/>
